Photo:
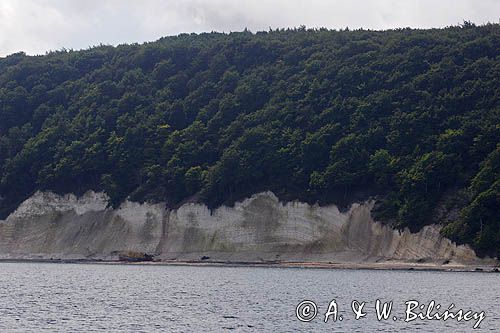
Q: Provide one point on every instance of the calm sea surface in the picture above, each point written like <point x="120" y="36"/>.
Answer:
<point x="139" y="298"/>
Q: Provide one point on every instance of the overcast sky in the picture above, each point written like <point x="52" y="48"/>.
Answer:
<point x="36" y="26"/>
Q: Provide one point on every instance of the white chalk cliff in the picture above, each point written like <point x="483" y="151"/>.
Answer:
<point x="259" y="228"/>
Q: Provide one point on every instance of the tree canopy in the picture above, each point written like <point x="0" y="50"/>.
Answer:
<point x="409" y="116"/>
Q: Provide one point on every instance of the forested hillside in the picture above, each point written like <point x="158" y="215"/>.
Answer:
<point x="409" y="116"/>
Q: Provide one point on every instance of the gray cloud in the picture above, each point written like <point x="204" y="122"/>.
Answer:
<point x="36" y="26"/>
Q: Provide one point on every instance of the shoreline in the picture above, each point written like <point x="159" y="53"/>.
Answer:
<point x="386" y="265"/>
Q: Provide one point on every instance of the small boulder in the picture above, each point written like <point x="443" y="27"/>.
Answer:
<point x="131" y="256"/>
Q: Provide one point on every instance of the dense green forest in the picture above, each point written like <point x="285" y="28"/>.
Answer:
<point x="411" y="117"/>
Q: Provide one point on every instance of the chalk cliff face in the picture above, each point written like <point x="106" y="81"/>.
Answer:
<point x="259" y="228"/>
